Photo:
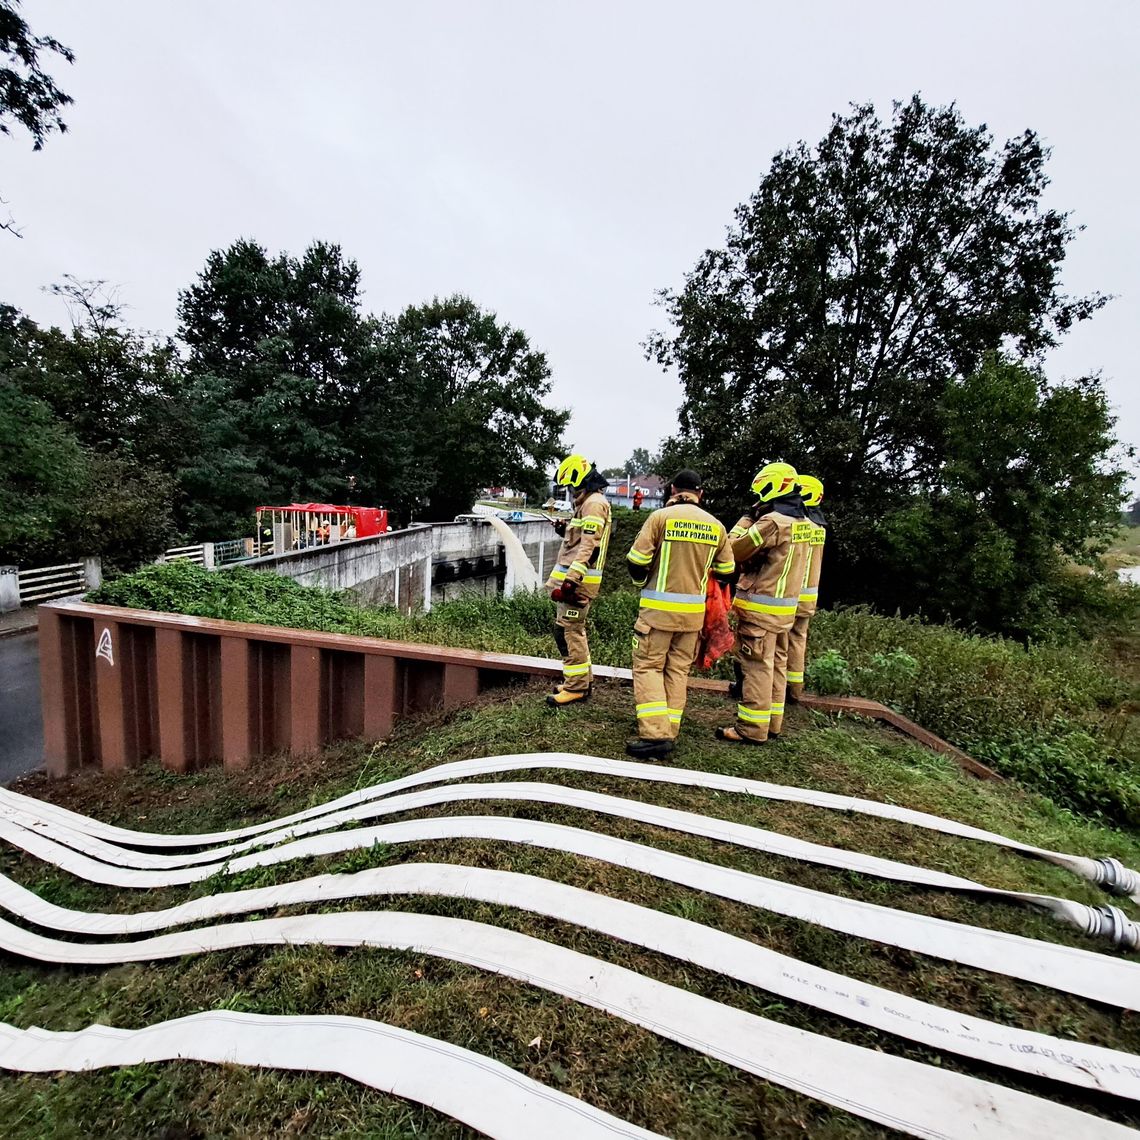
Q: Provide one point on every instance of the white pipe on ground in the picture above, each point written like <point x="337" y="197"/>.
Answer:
<point x="1094" y="976"/>
<point x="480" y="1092"/>
<point x="1107" y="872"/>
<point x="1104" y="1070"/>
<point x="1105" y="922"/>
<point x="915" y="1098"/>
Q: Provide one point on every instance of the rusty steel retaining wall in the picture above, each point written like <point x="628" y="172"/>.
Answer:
<point x="120" y="685"/>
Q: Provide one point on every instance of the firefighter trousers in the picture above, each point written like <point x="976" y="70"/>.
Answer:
<point x="662" y="659"/>
<point x="797" y="655"/>
<point x="763" y="660"/>
<point x="570" y="634"/>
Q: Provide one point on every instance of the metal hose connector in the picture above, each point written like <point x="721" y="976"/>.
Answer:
<point x="1115" y="877"/>
<point x="1112" y="923"/>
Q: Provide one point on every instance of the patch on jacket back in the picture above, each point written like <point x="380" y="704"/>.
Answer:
<point x="692" y="530"/>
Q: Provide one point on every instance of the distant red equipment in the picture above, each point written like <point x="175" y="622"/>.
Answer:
<point x="280" y="529"/>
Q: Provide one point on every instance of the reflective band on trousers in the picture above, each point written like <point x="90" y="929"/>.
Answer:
<point x="795" y="678"/>
<point x="677" y="603"/>
<point x="766" y="604"/>
<point x="675" y="715"/>
<point x="753" y="716"/>
<point x="652" y="708"/>
<point x="809" y="591"/>
<point x="576" y="670"/>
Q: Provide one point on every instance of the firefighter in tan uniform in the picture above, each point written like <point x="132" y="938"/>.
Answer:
<point x="577" y="575"/>
<point x="770" y="544"/>
<point x="671" y="559"/>
<point x="811" y="490"/>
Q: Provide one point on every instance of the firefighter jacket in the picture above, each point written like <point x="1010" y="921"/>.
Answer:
<point x="676" y="550"/>
<point x="809" y="595"/>
<point x="582" y="554"/>
<point x="772" y="553"/>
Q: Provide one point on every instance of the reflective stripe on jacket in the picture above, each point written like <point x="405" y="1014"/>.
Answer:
<point x="582" y="555"/>
<point x="772" y="553"/>
<point x="673" y="555"/>
<point x="809" y="595"/>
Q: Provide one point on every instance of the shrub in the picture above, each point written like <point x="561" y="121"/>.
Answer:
<point x="1053" y="716"/>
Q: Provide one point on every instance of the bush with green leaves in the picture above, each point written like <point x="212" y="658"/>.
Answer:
<point x="1055" y="717"/>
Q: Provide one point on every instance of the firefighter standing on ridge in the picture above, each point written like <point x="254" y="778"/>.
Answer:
<point x="672" y="557"/>
<point x="577" y="575"/>
<point x="811" y="489"/>
<point x="770" y="544"/>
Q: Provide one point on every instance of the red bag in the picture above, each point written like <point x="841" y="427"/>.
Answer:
<point x="717" y="637"/>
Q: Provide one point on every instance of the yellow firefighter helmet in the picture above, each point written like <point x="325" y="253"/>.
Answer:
<point x="572" y="470"/>
<point x="811" y="489"/>
<point x="773" y="480"/>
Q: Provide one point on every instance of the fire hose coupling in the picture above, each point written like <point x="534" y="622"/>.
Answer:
<point x="1112" y="923"/>
<point x="1115" y="877"/>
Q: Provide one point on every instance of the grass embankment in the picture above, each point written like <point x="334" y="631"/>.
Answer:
<point x="1059" y="718"/>
<point x="1125" y="551"/>
<point x="623" y="1069"/>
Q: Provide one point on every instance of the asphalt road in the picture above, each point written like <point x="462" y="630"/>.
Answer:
<point x="21" y="733"/>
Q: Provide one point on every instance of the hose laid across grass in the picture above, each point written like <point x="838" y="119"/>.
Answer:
<point x="1091" y="1067"/>
<point x="919" y="1099"/>
<point x="1107" y="872"/>
<point x="474" y="1089"/>
<point x="1106" y="922"/>
<point x="1098" y="977"/>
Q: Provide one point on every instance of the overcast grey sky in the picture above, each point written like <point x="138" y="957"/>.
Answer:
<point x="558" y="163"/>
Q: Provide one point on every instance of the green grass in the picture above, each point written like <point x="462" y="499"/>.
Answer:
<point x="1059" y="718"/>
<point x="626" y="1070"/>
<point x="1125" y="551"/>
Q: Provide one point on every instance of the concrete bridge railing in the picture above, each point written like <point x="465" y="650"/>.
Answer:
<point x="417" y="567"/>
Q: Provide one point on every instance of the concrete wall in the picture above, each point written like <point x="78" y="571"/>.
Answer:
<point x="418" y="567"/>
<point x="392" y="569"/>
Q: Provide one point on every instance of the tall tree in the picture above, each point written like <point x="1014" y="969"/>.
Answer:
<point x="642" y="462"/>
<point x="455" y="401"/>
<point x="29" y="97"/>
<point x="1029" y="482"/>
<point x="275" y="345"/>
<point x="863" y="277"/>
<point x="72" y="480"/>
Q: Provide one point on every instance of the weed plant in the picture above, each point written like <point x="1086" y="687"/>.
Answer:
<point x="1056" y="717"/>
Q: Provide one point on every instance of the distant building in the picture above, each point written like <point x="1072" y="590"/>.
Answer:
<point x="620" y="491"/>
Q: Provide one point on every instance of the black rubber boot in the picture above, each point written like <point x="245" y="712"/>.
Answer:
<point x="641" y="749"/>
<point x="736" y="689"/>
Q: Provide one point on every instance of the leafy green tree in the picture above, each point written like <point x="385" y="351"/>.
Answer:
<point x="275" y="348"/>
<point x="642" y="462"/>
<point x="43" y="474"/>
<point x="29" y="97"/>
<point x="453" y="401"/>
<point x="862" y="281"/>
<point x="77" y="475"/>
<point x="1028" y="485"/>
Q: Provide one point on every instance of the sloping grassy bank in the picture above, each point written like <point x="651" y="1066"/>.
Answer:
<point x="625" y="1070"/>
<point x="1057" y="718"/>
